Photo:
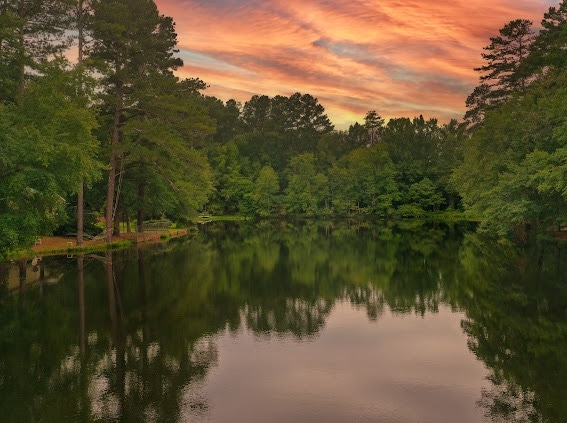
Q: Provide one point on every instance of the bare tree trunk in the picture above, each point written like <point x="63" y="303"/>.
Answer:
<point x="110" y="198"/>
<point x="80" y="196"/>
<point x="116" y="231"/>
<point x="112" y="177"/>
<point x="116" y="210"/>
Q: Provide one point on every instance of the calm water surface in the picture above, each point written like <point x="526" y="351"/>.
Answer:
<point x="289" y="323"/>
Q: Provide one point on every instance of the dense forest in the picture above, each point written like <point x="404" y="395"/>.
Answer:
<point x="94" y="123"/>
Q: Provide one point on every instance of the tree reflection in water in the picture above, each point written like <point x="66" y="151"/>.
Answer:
<point x="131" y="336"/>
<point x="516" y="307"/>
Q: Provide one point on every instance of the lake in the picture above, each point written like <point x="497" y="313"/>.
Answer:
<point x="290" y="322"/>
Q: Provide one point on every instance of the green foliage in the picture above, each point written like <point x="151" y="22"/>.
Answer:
<point x="265" y="149"/>
<point x="133" y="52"/>
<point x="305" y="187"/>
<point x="226" y="116"/>
<point x="513" y="165"/>
<point x="174" y="151"/>
<point x="515" y="321"/>
<point x="46" y="147"/>
<point x="256" y="114"/>
<point x="411" y="146"/>
<point x="516" y="59"/>
<point x="170" y="177"/>
<point x="364" y="180"/>
<point x="348" y="174"/>
<point x="373" y="123"/>
<point x="505" y="71"/>
<point x="9" y="58"/>
<point x="424" y="195"/>
<point x="266" y="190"/>
<point x="299" y="113"/>
<point x="57" y="107"/>
<point x="421" y="150"/>
<point x="279" y="128"/>
<point x="549" y="46"/>
<point x="330" y="148"/>
<point x="410" y="211"/>
<point x="233" y="185"/>
<point x="32" y="32"/>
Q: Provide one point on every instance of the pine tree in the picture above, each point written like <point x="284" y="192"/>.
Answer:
<point x="373" y="123"/>
<point x="550" y="47"/>
<point x="504" y="72"/>
<point x="32" y="31"/>
<point x="133" y="48"/>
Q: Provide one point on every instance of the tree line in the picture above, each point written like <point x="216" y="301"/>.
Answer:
<point x="93" y="115"/>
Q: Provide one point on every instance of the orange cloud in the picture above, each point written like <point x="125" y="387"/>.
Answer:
<point x="400" y="58"/>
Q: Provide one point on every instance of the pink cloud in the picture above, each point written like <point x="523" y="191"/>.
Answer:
<point x="401" y="58"/>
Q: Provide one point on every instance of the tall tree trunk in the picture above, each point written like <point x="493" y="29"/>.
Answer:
<point x="110" y="198"/>
<point x="80" y="196"/>
<point x="116" y="208"/>
<point x="112" y="176"/>
<point x="21" y="65"/>
<point x="141" y="200"/>
<point x="116" y="231"/>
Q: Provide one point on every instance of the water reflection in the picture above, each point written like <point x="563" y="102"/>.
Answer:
<point x="132" y="336"/>
<point x="516" y="307"/>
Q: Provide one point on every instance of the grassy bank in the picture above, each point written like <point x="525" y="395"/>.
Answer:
<point x="50" y="246"/>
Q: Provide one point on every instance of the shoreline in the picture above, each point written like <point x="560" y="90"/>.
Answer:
<point x="55" y="245"/>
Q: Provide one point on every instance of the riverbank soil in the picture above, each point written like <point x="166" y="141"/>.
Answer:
<point x="50" y="243"/>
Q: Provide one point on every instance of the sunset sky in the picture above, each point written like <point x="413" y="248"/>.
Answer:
<point x="401" y="58"/>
